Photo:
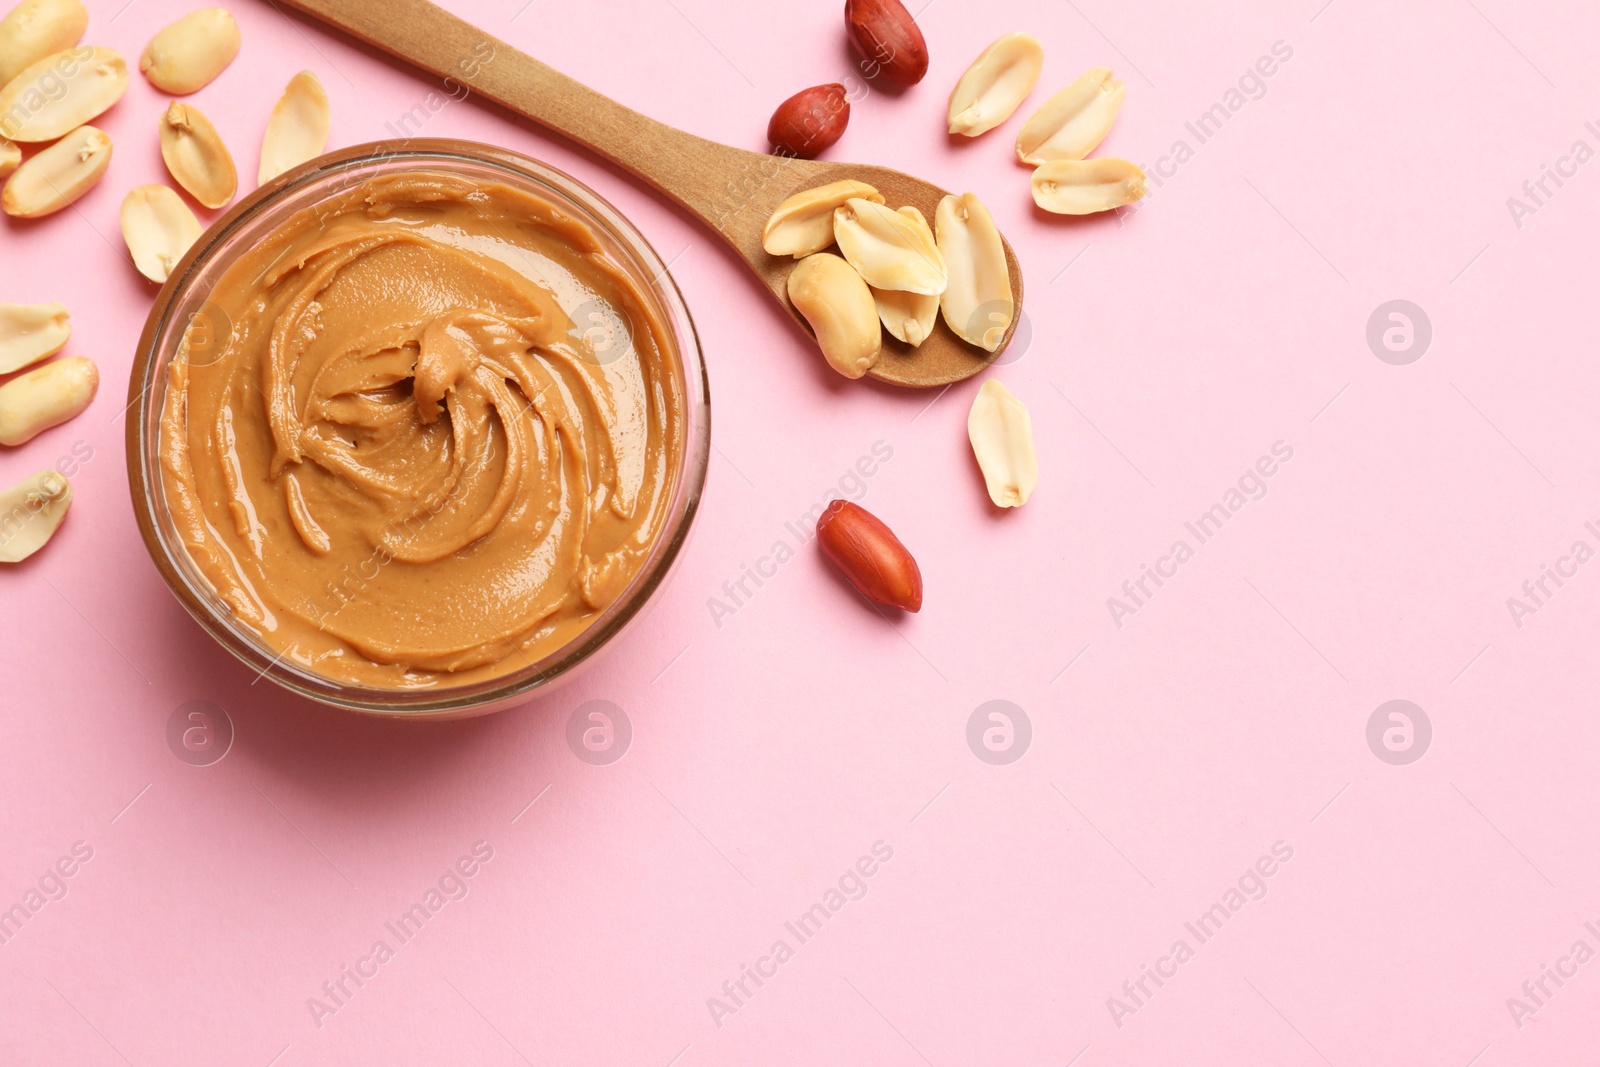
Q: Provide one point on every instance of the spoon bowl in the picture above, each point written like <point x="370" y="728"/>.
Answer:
<point x="942" y="358"/>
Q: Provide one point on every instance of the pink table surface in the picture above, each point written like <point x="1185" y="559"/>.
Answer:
<point x="1418" y="911"/>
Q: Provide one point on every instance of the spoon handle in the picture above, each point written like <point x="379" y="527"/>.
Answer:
<point x="703" y="176"/>
<point x="730" y="190"/>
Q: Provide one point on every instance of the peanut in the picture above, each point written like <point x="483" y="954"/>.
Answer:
<point x="30" y="513"/>
<point x="888" y="40"/>
<point x="186" y="55"/>
<point x="298" y="128"/>
<point x="1085" y="186"/>
<point x="196" y="157"/>
<point x="1001" y="432"/>
<point x="907" y="316"/>
<point x="870" y="556"/>
<point x="839" y="307"/>
<point x="38" y="28"/>
<point x="10" y="157"/>
<point x="44" y="397"/>
<point x="158" y="228"/>
<point x="888" y="249"/>
<point x="57" y="176"/>
<point x="1073" y="122"/>
<point x="996" y="83"/>
<point x="30" y="332"/>
<point x="803" y="224"/>
<point x="61" y="92"/>
<point x="978" y="304"/>
<point x="809" y="122"/>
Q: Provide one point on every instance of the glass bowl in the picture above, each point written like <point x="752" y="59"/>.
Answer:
<point x="181" y="309"/>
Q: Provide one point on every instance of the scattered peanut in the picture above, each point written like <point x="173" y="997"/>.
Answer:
<point x="30" y="513"/>
<point x="909" y="317"/>
<point x="38" y="28"/>
<point x="996" y="83"/>
<point x="196" y="157"/>
<point x="803" y="224"/>
<point x="61" y="92"/>
<point x="298" y="128"/>
<point x="978" y="304"/>
<point x="809" y="122"/>
<point x="10" y="157"/>
<point x="1001" y="432"/>
<point x="30" y="332"/>
<point x="1085" y="186"/>
<point x="1073" y="122"/>
<point x="57" y="176"/>
<point x="186" y="55"/>
<point x="887" y="37"/>
<point x="44" y="397"/>
<point x="158" y="228"/>
<point x="839" y="307"/>
<point x="888" y="249"/>
<point x="869" y="554"/>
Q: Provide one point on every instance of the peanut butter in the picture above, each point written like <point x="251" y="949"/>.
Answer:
<point x="441" y="436"/>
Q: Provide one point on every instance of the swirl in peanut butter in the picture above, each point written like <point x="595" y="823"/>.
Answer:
<point x="409" y="466"/>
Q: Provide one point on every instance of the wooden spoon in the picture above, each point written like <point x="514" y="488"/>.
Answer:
<point x="729" y="189"/>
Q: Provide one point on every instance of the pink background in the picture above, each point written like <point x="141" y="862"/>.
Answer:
<point x="1170" y="349"/>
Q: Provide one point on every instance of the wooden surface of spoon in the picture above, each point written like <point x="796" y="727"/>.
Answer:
<point x="733" y="191"/>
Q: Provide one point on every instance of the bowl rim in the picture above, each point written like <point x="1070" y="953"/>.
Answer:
<point x="145" y="401"/>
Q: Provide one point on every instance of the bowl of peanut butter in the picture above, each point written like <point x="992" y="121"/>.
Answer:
<point x="418" y="428"/>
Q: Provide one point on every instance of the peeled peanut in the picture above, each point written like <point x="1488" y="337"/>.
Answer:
<point x="1001" y="432"/>
<point x="888" y="249"/>
<point x="30" y="513"/>
<point x="1084" y="186"/>
<point x="195" y="155"/>
<point x="187" y="54"/>
<point x="10" y="157"/>
<point x="803" y="224"/>
<point x="998" y="81"/>
<point x="37" y="28"/>
<point x="907" y="316"/>
<point x="1073" y="122"/>
<point x="61" y="92"/>
<point x="838" y="305"/>
<point x="298" y="128"/>
<point x="977" y="304"/>
<point x="57" y="176"/>
<point x="44" y="397"/>
<point x="158" y="228"/>
<point x="30" y="332"/>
